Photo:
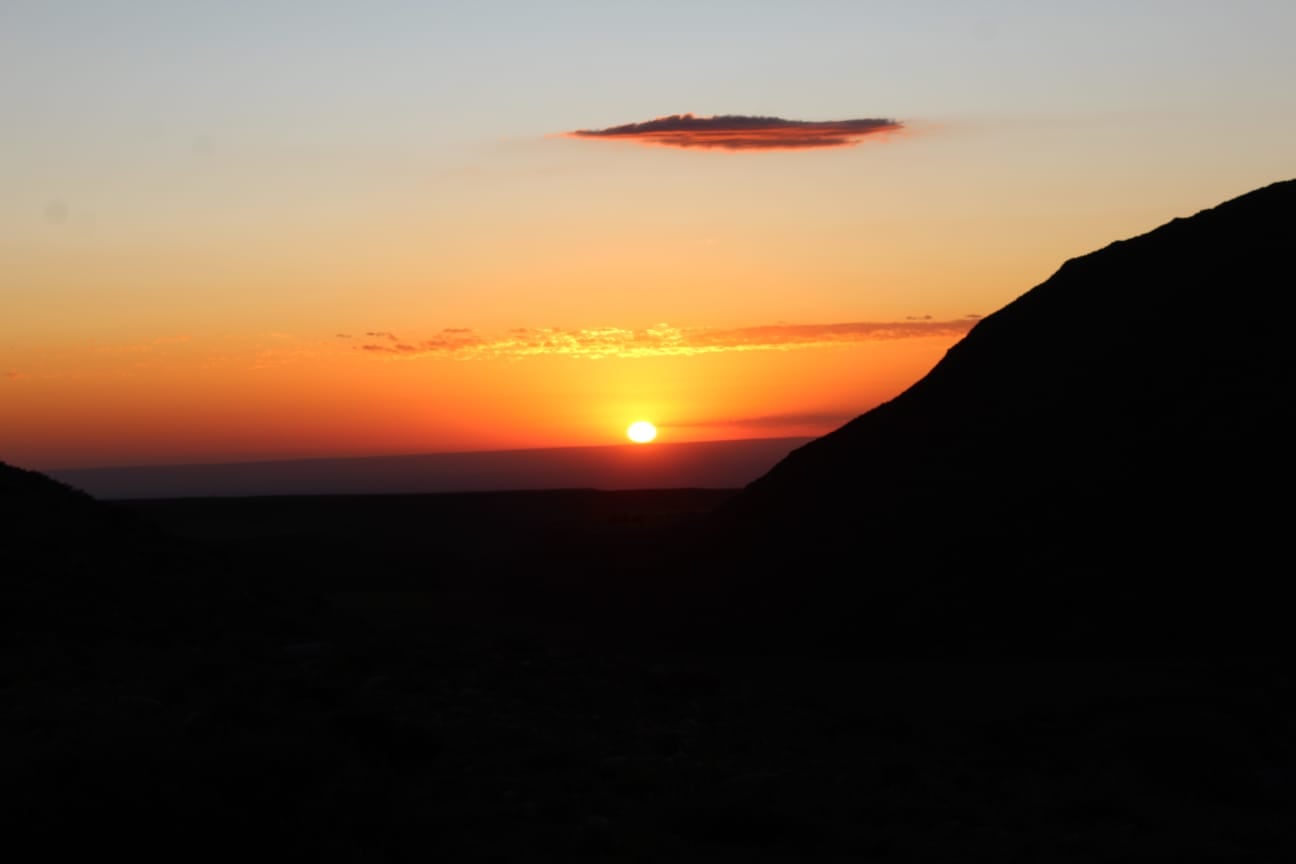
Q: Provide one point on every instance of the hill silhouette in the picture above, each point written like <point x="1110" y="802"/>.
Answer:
<point x="74" y="569"/>
<point x="1099" y="468"/>
<point x="61" y="547"/>
<point x="1105" y="460"/>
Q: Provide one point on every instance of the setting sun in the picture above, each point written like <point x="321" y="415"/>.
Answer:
<point x="641" y="432"/>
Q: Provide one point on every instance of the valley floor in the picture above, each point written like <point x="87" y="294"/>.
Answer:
<point x="365" y="687"/>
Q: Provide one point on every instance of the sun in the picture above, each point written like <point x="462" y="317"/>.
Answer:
<point x="641" y="432"/>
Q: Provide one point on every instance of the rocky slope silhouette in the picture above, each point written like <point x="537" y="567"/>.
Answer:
<point x="59" y="545"/>
<point x="74" y="568"/>
<point x="1105" y="458"/>
<point x="1097" y="468"/>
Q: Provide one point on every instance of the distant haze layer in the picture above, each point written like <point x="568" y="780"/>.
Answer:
<point x="709" y="464"/>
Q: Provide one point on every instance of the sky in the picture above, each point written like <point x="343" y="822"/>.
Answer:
<point x="311" y="229"/>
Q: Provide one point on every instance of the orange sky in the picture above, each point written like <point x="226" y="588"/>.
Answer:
<point x="194" y="214"/>
<point x="186" y="400"/>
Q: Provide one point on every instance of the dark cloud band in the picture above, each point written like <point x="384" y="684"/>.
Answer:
<point x="736" y="132"/>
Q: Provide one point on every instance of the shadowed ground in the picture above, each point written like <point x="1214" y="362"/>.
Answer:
<point x="384" y="678"/>
<point x="1031" y="609"/>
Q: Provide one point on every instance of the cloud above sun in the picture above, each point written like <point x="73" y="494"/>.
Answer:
<point x="738" y="132"/>
<point x="663" y="340"/>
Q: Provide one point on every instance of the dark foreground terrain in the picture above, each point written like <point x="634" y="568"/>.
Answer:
<point x="524" y="676"/>
<point x="1035" y="608"/>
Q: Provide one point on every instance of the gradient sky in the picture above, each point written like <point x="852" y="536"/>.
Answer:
<point x="233" y="231"/>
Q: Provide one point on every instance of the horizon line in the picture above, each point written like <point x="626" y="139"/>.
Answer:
<point x="299" y="459"/>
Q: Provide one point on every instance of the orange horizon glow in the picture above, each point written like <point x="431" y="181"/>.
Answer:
<point x="198" y="401"/>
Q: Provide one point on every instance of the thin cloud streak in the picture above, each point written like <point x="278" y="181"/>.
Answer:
<point x="737" y="132"/>
<point x="663" y="340"/>
<point x="774" y="422"/>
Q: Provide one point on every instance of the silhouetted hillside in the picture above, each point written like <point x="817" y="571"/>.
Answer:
<point x="1107" y="454"/>
<point x="51" y="527"/>
<point x="1098" y="468"/>
<point x="71" y="564"/>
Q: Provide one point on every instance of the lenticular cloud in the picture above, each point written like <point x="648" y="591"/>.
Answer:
<point x="736" y="132"/>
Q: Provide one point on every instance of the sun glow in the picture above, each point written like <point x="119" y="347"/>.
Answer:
<point x="641" y="432"/>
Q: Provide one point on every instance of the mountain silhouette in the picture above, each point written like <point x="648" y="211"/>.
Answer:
<point x="50" y="527"/>
<point x="1099" y="468"/>
<point x="79" y="568"/>
<point x="1105" y="459"/>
